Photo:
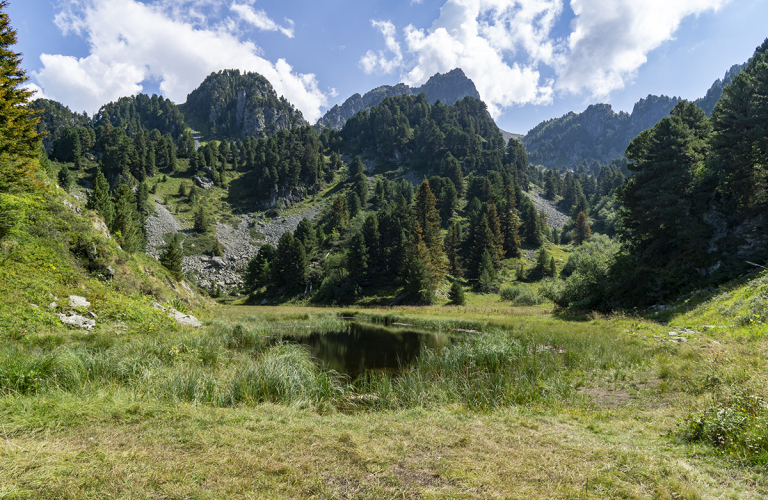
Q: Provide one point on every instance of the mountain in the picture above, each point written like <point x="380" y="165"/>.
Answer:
<point x="596" y="134"/>
<point x="54" y="118"/>
<point x="449" y="88"/>
<point x="707" y="103"/>
<point x="600" y="134"/>
<point x="236" y="105"/>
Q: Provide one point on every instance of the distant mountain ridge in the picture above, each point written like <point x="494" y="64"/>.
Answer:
<point x="600" y="134"/>
<point x="449" y="88"/>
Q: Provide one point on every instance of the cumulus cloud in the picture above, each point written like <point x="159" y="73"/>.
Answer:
<point x="503" y="45"/>
<point x="261" y="20"/>
<point x="131" y="42"/>
<point x="377" y="61"/>
<point x="612" y="38"/>
<point x="474" y="35"/>
<point x="38" y="92"/>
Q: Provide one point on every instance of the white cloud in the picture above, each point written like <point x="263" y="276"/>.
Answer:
<point x="261" y="20"/>
<point x="502" y="45"/>
<point x="131" y="42"/>
<point x="38" y="92"/>
<point x="612" y="38"/>
<point x="474" y="35"/>
<point x="373" y="62"/>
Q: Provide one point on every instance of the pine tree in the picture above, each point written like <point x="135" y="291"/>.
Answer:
<point x="452" y="250"/>
<point x="419" y="283"/>
<point x="357" y="262"/>
<point x="487" y="272"/>
<point x="427" y="222"/>
<point x="100" y="200"/>
<point x="182" y="189"/>
<point x="353" y="204"/>
<point x="259" y="271"/>
<point x="65" y="178"/>
<point x="338" y="214"/>
<point x="291" y="265"/>
<point x="483" y="243"/>
<point x="307" y="235"/>
<point x="456" y="294"/>
<point x="19" y="167"/>
<point x="552" y="268"/>
<point x="510" y="224"/>
<point x="217" y="251"/>
<point x="172" y="257"/>
<point x="497" y="252"/>
<point x="581" y="231"/>
<point x="127" y="225"/>
<point x="201" y="222"/>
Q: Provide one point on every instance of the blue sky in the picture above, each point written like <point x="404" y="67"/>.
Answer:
<point x="531" y="60"/>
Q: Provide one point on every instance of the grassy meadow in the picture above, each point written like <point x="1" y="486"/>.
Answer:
<point x="525" y="404"/>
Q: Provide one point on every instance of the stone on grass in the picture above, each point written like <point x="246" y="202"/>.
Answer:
<point x="76" y="301"/>
<point x="77" y="320"/>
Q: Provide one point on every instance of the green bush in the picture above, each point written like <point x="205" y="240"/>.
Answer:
<point x="519" y="295"/>
<point x="738" y="427"/>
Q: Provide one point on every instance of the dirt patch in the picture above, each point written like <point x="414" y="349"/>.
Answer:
<point x="410" y="476"/>
<point x="607" y="398"/>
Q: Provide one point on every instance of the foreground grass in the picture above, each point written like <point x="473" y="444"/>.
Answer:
<point x="523" y="406"/>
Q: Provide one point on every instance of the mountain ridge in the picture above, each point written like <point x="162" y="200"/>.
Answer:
<point x="448" y="87"/>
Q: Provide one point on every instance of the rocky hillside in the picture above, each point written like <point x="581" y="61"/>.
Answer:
<point x="449" y="88"/>
<point x="600" y="134"/>
<point x="236" y="105"/>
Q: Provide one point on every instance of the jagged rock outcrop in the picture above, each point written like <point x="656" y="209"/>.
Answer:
<point x="597" y="134"/>
<point x="449" y="88"/>
<point x="238" y="104"/>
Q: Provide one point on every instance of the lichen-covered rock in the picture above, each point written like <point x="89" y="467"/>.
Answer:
<point x="77" y="320"/>
<point x="77" y="301"/>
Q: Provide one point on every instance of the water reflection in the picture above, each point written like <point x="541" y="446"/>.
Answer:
<point x="368" y="347"/>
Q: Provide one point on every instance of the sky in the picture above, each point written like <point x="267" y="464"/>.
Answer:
<point x="531" y="60"/>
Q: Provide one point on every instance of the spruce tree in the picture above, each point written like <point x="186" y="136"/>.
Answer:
<point x="498" y="237"/>
<point x="172" y="257"/>
<point x="427" y="222"/>
<point x="19" y="169"/>
<point x="353" y="204"/>
<point x="291" y="265"/>
<point x="581" y="231"/>
<point x="510" y="224"/>
<point x="452" y="251"/>
<point x="484" y="242"/>
<point x="65" y="178"/>
<point x="201" y="221"/>
<point x="456" y="294"/>
<point x="259" y="271"/>
<point x="419" y="283"/>
<point x="357" y="262"/>
<point x="217" y="251"/>
<point x="100" y="200"/>
<point x="487" y="272"/>
<point x="127" y="226"/>
<point x="307" y="235"/>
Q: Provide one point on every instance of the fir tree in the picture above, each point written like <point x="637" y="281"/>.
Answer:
<point x="259" y="271"/>
<point x="65" y="178"/>
<point x="581" y="231"/>
<point x="172" y="257"/>
<point x="510" y="224"/>
<point x="217" y="251"/>
<point x="427" y="222"/>
<point x="201" y="222"/>
<point x="100" y="200"/>
<point x="19" y="169"/>
<point x="456" y="294"/>
<point x="127" y="225"/>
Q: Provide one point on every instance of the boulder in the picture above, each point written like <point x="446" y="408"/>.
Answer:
<point x="203" y="182"/>
<point x="77" y="301"/>
<point x="77" y="320"/>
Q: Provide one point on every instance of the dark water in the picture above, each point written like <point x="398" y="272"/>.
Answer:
<point x="368" y="347"/>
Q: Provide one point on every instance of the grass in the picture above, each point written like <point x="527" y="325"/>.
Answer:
<point x="525" y="405"/>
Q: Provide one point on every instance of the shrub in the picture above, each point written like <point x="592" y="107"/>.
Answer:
<point x="520" y="295"/>
<point x="456" y="295"/>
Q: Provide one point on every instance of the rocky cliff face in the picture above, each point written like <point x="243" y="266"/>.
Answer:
<point x="241" y="105"/>
<point x="597" y="134"/>
<point x="449" y="88"/>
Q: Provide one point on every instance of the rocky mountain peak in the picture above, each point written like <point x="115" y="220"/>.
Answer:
<point x="449" y="88"/>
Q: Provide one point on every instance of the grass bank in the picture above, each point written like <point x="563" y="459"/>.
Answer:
<point x="522" y="405"/>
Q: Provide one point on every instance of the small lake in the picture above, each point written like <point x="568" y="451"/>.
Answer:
<point x="368" y="347"/>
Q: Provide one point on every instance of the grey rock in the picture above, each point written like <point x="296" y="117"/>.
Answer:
<point x="77" y="301"/>
<point x="449" y="88"/>
<point x="555" y="218"/>
<point x="264" y="302"/>
<point x="53" y="305"/>
<point x="184" y="319"/>
<point x="35" y="306"/>
<point x="203" y="182"/>
<point x="72" y="207"/>
<point x="77" y="320"/>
